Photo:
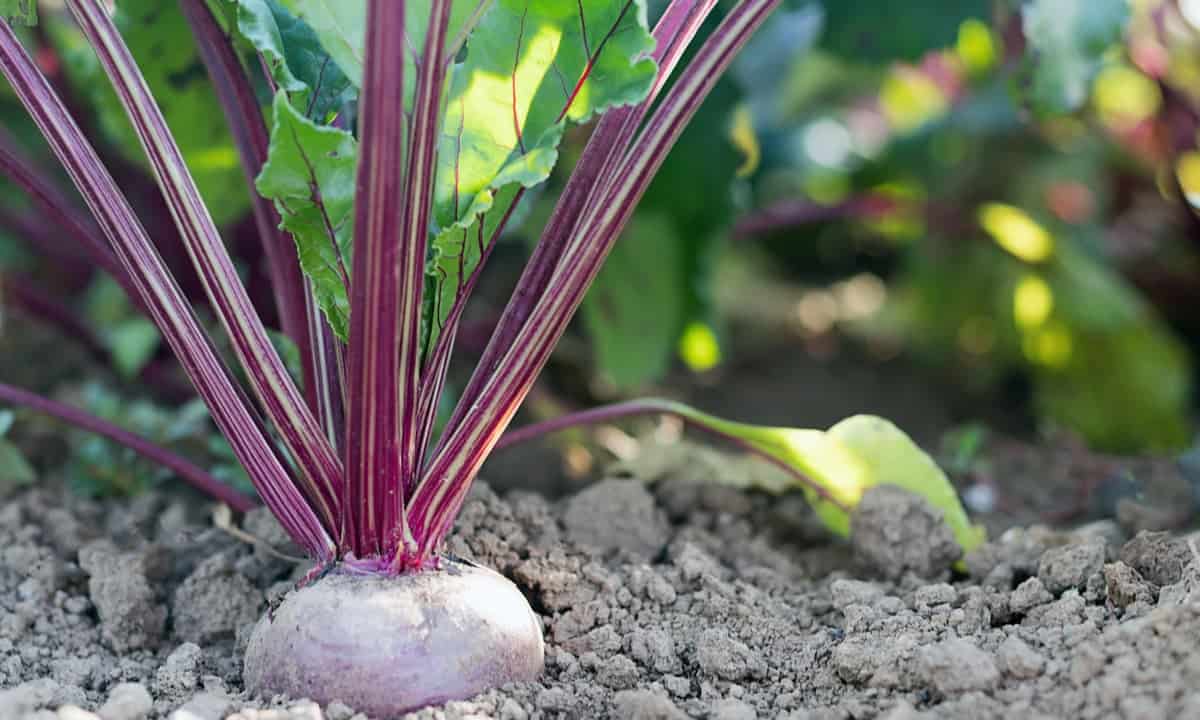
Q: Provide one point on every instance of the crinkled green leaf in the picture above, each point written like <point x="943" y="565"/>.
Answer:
<point x="521" y="81"/>
<point x="340" y="25"/>
<point x="634" y="310"/>
<point x="309" y="174"/>
<point x="161" y="42"/>
<point x="23" y="12"/>
<point x="530" y="68"/>
<point x="1067" y="40"/>
<point x="295" y="56"/>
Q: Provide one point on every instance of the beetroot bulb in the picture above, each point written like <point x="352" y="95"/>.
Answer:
<point x="387" y="644"/>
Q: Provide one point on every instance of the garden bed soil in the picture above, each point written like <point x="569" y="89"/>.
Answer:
<point x="675" y="598"/>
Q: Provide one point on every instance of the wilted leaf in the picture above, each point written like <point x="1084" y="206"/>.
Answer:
<point x="858" y="453"/>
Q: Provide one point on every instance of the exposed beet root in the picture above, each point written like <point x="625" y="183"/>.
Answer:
<point x="386" y="645"/>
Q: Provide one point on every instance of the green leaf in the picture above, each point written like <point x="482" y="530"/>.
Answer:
<point x="14" y="468"/>
<point x="510" y="99"/>
<point x="340" y="25"/>
<point x="634" y="310"/>
<point x="508" y="105"/>
<point x="161" y="42"/>
<point x="6" y="421"/>
<point x="309" y="174"/>
<point x="858" y="453"/>
<point x="1066" y="42"/>
<point x="132" y="344"/>
<point x="297" y="60"/>
<point x="131" y="338"/>
<point x="19" y="11"/>
<point x="454" y="254"/>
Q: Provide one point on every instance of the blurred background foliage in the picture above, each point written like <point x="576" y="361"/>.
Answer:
<point x="1000" y="191"/>
<point x="995" y="189"/>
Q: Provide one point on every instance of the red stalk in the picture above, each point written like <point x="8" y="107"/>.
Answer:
<point x="417" y="199"/>
<point x="249" y="130"/>
<point x="46" y="197"/>
<point x="162" y="296"/>
<point x="375" y="353"/>
<point x="320" y="468"/>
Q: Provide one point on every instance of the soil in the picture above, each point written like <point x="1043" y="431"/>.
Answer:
<point x="662" y="596"/>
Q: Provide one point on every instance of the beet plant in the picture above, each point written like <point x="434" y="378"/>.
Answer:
<point x="401" y="139"/>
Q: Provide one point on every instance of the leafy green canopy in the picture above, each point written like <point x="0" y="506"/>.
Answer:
<point x="529" y="69"/>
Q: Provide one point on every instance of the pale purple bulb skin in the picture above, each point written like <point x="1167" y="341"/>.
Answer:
<point x="388" y="645"/>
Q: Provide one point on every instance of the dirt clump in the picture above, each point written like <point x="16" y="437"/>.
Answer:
<point x="894" y="532"/>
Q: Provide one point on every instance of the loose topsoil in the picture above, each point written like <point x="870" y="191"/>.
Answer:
<point x="662" y="597"/>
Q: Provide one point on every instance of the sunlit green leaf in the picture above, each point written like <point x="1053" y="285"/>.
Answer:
<point x="531" y="67"/>
<point x="340" y="26"/>
<point x="309" y="174"/>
